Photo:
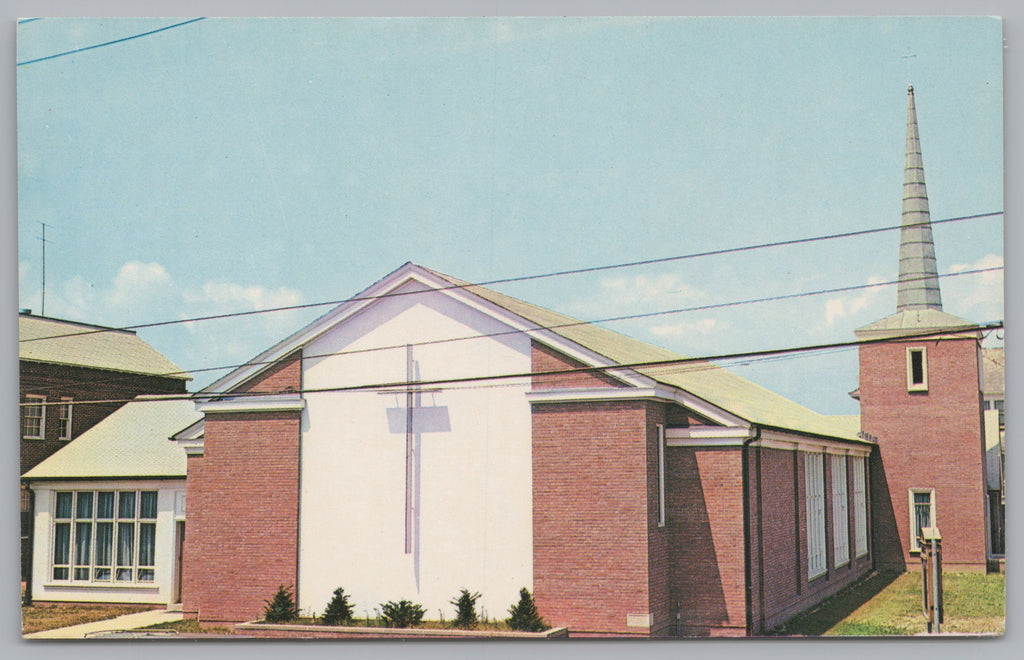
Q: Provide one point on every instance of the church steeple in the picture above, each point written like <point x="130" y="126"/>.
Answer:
<point x="918" y="278"/>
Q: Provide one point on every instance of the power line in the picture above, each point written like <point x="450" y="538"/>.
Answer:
<point x="523" y="278"/>
<point x="650" y="364"/>
<point x="108" y="43"/>
<point x="612" y="319"/>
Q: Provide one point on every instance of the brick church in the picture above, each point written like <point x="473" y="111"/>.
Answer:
<point x="429" y="435"/>
<point x="635" y="495"/>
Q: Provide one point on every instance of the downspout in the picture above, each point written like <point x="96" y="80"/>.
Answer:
<point x="747" y="569"/>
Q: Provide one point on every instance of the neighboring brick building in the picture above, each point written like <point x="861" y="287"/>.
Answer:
<point x="641" y="500"/>
<point x="921" y="398"/>
<point x="64" y="364"/>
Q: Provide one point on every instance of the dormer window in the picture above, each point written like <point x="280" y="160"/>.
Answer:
<point x="917" y="369"/>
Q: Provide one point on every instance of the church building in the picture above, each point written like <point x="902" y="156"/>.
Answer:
<point x="430" y="435"/>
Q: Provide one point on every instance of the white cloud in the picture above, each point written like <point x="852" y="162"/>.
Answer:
<point x="138" y="285"/>
<point x="228" y="296"/>
<point x="641" y="289"/>
<point x="978" y="297"/>
<point x="849" y="305"/>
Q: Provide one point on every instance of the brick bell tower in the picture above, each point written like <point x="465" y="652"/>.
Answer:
<point x="920" y="396"/>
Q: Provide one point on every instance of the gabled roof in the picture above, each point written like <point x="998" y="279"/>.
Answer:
<point x="133" y="441"/>
<point x="83" y="345"/>
<point x="705" y="380"/>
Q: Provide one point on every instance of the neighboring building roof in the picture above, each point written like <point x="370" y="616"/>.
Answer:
<point x="702" y="379"/>
<point x="133" y="441"/>
<point x="83" y="345"/>
<point x="993" y="369"/>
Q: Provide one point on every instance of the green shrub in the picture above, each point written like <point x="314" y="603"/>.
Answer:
<point x="465" y="609"/>
<point x="524" y="614"/>
<point x="281" y="608"/>
<point x="339" y="610"/>
<point x="403" y="614"/>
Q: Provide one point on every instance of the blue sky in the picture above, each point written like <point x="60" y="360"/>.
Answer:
<point x="238" y="164"/>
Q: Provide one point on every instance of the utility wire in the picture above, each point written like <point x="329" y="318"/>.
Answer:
<point x="389" y="386"/>
<point x="108" y="43"/>
<point x="523" y="278"/>
<point x="612" y="319"/>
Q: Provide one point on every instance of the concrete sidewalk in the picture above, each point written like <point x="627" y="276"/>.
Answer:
<point x="123" y="622"/>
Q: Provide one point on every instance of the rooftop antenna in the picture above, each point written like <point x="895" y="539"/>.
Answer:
<point x="42" y="305"/>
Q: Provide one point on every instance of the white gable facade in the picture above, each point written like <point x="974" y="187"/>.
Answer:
<point x="470" y="489"/>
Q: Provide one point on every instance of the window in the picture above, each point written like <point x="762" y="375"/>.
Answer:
<point x="814" y="474"/>
<point x="661" y="475"/>
<point x="917" y="370"/>
<point x="860" y="507"/>
<point x="93" y="543"/>
<point x="64" y="419"/>
<point x="840" y="512"/>
<point x="33" y="417"/>
<point x="922" y="513"/>
<point x="1000" y="405"/>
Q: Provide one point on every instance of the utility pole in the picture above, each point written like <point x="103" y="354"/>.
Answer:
<point x="42" y="305"/>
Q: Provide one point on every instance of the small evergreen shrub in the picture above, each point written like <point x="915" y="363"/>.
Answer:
<point x="465" y="609"/>
<point x="524" y="614"/>
<point x="339" y="610"/>
<point x="403" y="614"/>
<point x="281" y="608"/>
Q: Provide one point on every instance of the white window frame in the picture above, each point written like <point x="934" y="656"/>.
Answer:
<point x="933" y="514"/>
<point x="661" y="475"/>
<point x="64" y="432"/>
<point x="860" y="506"/>
<point x="814" y="499"/>
<point x="135" y="521"/>
<point x="40" y="401"/>
<point x="913" y="386"/>
<point x="840" y="513"/>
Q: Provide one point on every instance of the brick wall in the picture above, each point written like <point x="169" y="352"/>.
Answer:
<point x="591" y="515"/>
<point x="779" y="585"/>
<point x="55" y="381"/>
<point x="927" y="439"/>
<point x="547" y="359"/>
<point x="283" y="376"/>
<point x="705" y="498"/>
<point x="241" y="538"/>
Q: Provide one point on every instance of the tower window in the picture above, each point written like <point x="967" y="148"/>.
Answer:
<point x="917" y="370"/>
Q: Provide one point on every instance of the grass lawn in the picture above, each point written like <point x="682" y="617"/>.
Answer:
<point x="890" y="604"/>
<point x="47" y="617"/>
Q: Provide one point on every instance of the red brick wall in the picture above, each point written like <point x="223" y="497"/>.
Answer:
<point x="705" y="516"/>
<point x="931" y="439"/>
<point x="591" y="514"/>
<point x="778" y="509"/>
<point x="547" y="359"/>
<point x="241" y="537"/>
<point x="285" y="375"/>
<point x="55" y="381"/>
